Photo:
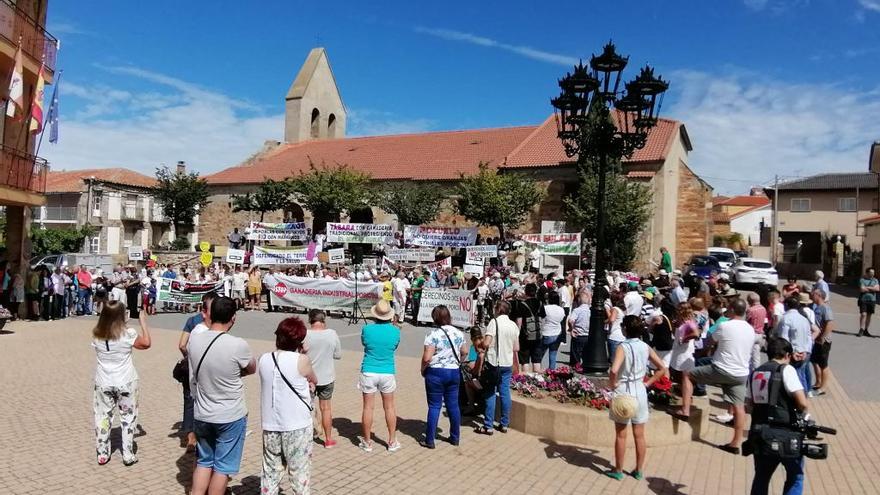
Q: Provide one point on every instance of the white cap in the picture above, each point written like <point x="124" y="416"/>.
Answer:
<point x="663" y="272"/>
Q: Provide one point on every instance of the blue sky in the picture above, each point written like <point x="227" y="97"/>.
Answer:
<point x="789" y="87"/>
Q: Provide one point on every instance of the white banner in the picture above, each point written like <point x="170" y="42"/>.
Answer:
<point x="556" y="244"/>
<point x="418" y="235"/>
<point x="183" y="292"/>
<point x="336" y="255"/>
<point x="444" y="263"/>
<point x="267" y="255"/>
<point x="459" y="302"/>
<point x="135" y="253"/>
<point x="235" y="256"/>
<point x="329" y="295"/>
<point x="477" y="254"/>
<point x="262" y="231"/>
<point x="474" y="269"/>
<point x="410" y="254"/>
<point x="371" y="233"/>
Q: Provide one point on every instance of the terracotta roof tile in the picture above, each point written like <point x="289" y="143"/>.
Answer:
<point x="542" y="148"/>
<point x="74" y="180"/>
<point x="425" y="156"/>
<point x="745" y="201"/>
<point x="718" y="217"/>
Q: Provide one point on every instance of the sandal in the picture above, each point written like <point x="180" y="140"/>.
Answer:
<point x="637" y="475"/>
<point x="618" y="475"/>
<point x="680" y="416"/>
<point x="482" y="430"/>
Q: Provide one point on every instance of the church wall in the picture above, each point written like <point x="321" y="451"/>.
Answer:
<point x="694" y="216"/>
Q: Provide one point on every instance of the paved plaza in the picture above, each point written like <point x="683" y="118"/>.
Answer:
<point x="48" y="442"/>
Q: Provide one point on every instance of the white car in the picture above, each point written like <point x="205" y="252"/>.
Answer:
<point x="755" y="271"/>
<point x="725" y="256"/>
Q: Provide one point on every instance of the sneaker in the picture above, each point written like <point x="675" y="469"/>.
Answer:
<point x="861" y="331"/>
<point x="818" y="391"/>
<point x="364" y="445"/>
<point x="329" y="444"/>
<point x="394" y="447"/>
<point x="724" y="418"/>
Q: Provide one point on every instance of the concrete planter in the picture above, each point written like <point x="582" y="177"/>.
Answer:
<point x="581" y="425"/>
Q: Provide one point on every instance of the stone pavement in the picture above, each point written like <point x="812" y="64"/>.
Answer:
<point x="47" y="438"/>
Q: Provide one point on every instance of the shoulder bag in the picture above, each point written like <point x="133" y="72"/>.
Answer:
<point x="489" y="375"/>
<point x="292" y="389"/>
<point x="466" y="374"/>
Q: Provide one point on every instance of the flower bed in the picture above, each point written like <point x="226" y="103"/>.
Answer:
<point x="565" y="385"/>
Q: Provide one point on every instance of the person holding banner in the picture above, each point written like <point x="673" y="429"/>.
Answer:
<point x="445" y="349"/>
<point x="380" y="340"/>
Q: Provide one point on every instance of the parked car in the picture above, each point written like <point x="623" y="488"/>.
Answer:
<point x="725" y="256"/>
<point x="700" y="265"/>
<point x="102" y="261"/>
<point x="754" y="271"/>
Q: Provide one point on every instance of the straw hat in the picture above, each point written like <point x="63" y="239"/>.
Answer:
<point x="382" y="311"/>
<point x="804" y="298"/>
<point x="624" y="407"/>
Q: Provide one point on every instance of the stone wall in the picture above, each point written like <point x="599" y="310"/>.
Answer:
<point x="693" y="216"/>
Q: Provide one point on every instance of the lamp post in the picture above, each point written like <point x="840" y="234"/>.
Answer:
<point x="594" y="134"/>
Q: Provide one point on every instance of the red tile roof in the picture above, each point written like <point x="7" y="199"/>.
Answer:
<point x="432" y="155"/>
<point x="542" y="148"/>
<point x="425" y="156"/>
<point x="74" y="180"/>
<point x="745" y="201"/>
<point x="870" y="220"/>
<point x="748" y="210"/>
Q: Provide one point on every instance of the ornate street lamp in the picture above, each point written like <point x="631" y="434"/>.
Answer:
<point x="590" y="131"/>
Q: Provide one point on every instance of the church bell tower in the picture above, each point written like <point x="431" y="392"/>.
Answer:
<point x="313" y="107"/>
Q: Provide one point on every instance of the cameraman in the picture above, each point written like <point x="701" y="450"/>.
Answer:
<point x="777" y="398"/>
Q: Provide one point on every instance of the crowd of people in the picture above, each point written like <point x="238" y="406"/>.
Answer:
<point x="700" y="331"/>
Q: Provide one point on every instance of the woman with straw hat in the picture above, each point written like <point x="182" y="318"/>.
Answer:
<point x="630" y="403"/>
<point x="380" y="340"/>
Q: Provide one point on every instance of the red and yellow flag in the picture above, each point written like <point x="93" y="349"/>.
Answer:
<point x="37" y="105"/>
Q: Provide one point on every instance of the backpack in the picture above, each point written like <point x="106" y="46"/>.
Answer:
<point x="531" y="326"/>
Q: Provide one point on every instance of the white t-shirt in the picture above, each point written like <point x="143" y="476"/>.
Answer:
<point x="551" y="322"/>
<point x="218" y="391"/>
<point x="564" y="296"/>
<point x="400" y="287"/>
<point x="615" y="332"/>
<point x="633" y="302"/>
<point x="280" y="408"/>
<point x="733" y="353"/>
<point x="199" y="328"/>
<point x="115" y="366"/>
<point x="790" y="382"/>
<point x="505" y="343"/>
<point x="239" y="281"/>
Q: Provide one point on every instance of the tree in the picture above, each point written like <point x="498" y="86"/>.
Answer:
<point x="181" y="195"/>
<point x="53" y="241"/>
<point x="272" y="195"/>
<point x="328" y="192"/>
<point x="627" y="211"/>
<point x="413" y="203"/>
<point x="497" y="200"/>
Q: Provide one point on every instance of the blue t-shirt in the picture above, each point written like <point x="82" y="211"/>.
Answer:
<point x="192" y="321"/>
<point x="868" y="296"/>
<point x="380" y="340"/>
<point x="472" y="354"/>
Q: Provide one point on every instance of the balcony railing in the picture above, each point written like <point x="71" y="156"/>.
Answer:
<point x="133" y="213"/>
<point x="58" y="214"/>
<point x="156" y="215"/>
<point x="35" y="41"/>
<point x="22" y="170"/>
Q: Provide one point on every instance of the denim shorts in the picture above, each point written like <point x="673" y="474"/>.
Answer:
<point x="220" y="445"/>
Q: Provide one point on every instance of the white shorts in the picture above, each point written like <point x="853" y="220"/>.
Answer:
<point x="370" y="383"/>
<point x="238" y="294"/>
<point x="665" y="356"/>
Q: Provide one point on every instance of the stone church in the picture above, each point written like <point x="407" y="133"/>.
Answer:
<point x="314" y="132"/>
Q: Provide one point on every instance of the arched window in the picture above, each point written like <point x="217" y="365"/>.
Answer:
<point x="331" y="126"/>
<point x="316" y="118"/>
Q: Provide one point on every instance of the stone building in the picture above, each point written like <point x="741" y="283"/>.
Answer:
<point x="115" y="201"/>
<point x="681" y="218"/>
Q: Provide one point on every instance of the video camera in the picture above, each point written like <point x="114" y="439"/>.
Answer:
<point x="811" y="431"/>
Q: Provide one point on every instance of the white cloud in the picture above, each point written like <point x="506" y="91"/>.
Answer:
<point x="525" y="51"/>
<point x="870" y="5"/>
<point x="138" y="129"/>
<point x="747" y="128"/>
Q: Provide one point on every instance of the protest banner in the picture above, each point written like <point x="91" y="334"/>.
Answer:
<point x="329" y="295"/>
<point x="135" y="253"/>
<point x="556" y="244"/>
<point x="410" y="254"/>
<point x="235" y="256"/>
<point x="477" y="254"/>
<point x="268" y="255"/>
<point x="183" y="292"/>
<point x="263" y="231"/>
<point x="476" y="270"/>
<point x="418" y="235"/>
<point x="370" y="233"/>
<point x="336" y="255"/>
<point x="459" y="302"/>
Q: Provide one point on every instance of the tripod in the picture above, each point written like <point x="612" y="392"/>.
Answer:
<point x="356" y="312"/>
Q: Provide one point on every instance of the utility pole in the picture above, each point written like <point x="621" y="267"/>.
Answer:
<point x="774" y="248"/>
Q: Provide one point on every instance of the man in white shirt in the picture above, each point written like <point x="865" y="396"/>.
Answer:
<point x="501" y="344"/>
<point x="633" y="300"/>
<point x="729" y="369"/>
<point x="239" y="283"/>
<point x="401" y="288"/>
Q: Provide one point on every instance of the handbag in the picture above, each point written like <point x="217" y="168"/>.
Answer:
<point x="181" y="371"/>
<point x="489" y="375"/>
<point x="624" y="406"/>
<point x="275" y="360"/>
<point x="466" y="374"/>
